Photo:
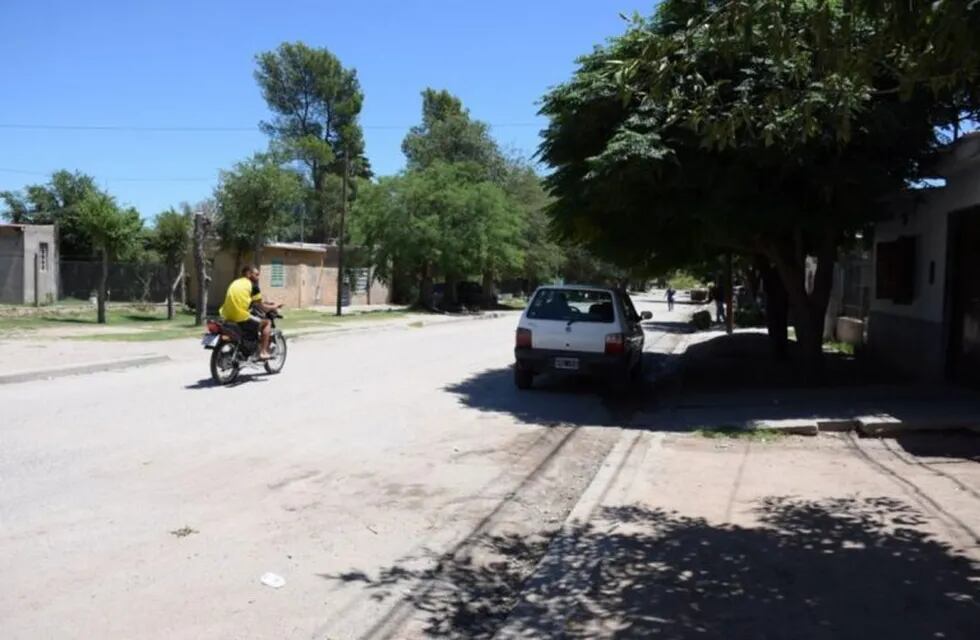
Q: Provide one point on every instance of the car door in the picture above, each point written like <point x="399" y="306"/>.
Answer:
<point x="633" y="327"/>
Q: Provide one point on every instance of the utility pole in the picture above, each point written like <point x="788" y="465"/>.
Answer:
<point x="340" y="238"/>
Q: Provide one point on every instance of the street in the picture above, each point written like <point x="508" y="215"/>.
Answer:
<point x="402" y="487"/>
<point x="368" y="449"/>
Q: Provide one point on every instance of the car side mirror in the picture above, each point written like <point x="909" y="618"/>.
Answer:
<point x="646" y="315"/>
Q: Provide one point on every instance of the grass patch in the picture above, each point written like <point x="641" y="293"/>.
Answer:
<point x="418" y="324"/>
<point x="840" y="347"/>
<point x="737" y="433"/>
<point x="514" y="303"/>
<point x="86" y="317"/>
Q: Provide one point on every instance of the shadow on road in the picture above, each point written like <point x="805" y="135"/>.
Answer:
<point x="842" y="568"/>
<point x="949" y="445"/>
<point x="569" y="400"/>
<point x="209" y="383"/>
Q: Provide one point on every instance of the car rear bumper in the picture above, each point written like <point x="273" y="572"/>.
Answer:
<point x="590" y="364"/>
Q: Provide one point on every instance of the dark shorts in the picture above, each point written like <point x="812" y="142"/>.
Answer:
<point x="251" y="326"/>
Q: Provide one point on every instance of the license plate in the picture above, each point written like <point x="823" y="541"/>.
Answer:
<point x="566" y="363"/>
<point x="210" y="340"/>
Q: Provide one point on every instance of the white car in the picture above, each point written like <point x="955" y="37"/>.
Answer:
<point x="579" y="330"/>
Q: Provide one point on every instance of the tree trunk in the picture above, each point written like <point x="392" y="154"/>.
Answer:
<point x="103" y="287"/>
<point x="488" y="290"/>
<point x="238" y="261"/>
<point x="776" y="307"/>
<point x="170" y="291"/>
<point x="425" y="287"/>
<point x="809" y="308"/>
<point x="177" y="282"/>
<point x="450" y="301"/>
<point x="200" y="266"/>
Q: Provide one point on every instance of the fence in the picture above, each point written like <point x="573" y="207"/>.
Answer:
<point x="24" y="282"/>
<point x="145" y="282"/>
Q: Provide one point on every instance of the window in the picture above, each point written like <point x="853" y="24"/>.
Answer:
<point x="278" y="276"/>
<point x="895" y="270"/>
<point x="567" y="305"/>
<point x="43" y="257"/>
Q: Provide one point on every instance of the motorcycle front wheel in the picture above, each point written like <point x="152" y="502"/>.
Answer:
<point x="275" y="365"/>
<point x="224" y="368"/>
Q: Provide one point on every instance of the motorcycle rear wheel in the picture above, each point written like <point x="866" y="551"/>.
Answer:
<point x="224" y="368"/>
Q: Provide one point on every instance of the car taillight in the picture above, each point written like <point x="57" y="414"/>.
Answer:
<point x="523" y="340"/>
<point x="213" y="327"/>
<point x="615" y="344"/>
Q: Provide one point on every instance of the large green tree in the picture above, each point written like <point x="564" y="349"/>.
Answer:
<point x="316" y="102"/>
<point x="441" y="221"/>
<point x="541" y="255"/>
<point x="171" y="239"/>
<point x="116" y="233"/>
<point x="448" y="134"/>
<point x="255" y="203"/>
<point x="762" y="127"/>
<point x="54" y="202"/>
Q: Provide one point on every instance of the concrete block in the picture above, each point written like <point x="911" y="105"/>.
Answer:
<point x="878" y="425"/>
<point x="837" y="425"/>
<point x="850" y="330"/>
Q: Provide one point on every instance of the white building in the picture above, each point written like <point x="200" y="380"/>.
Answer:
<point x="925" y="310"/>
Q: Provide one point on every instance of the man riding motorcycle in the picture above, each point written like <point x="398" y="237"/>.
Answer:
<point x="243" y="306"/>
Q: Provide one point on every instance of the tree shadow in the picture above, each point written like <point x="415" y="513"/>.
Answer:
<point x="565" y="399"/>
<point x="668" y="326"/>
<point x="841" y="568"/>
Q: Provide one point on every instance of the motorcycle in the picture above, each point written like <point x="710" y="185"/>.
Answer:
<point x="232" y="349"/>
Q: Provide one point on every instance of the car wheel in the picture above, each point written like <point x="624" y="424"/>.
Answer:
<point x="523" y="378"/>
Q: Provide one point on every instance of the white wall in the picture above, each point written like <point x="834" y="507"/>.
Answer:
<point x="927" y="220"/>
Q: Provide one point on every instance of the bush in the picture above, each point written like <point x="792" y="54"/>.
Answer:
<point x="701" y="320"/>
<point x="750" y="317"/>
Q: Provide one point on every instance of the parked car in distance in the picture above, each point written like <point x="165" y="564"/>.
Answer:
<point x="575" y="329"/>
<point x="468" y="294"/>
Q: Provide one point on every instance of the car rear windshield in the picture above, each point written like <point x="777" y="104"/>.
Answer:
<point x="579" y="305"/>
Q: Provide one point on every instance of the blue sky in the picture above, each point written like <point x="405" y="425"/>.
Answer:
<point x="189" y="64"/>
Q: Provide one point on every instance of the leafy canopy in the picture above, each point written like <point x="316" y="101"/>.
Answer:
<point x="255" y="201"/>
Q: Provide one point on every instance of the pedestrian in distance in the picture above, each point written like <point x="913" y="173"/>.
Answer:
<point x="670" y="298"/>
<point x="719" y="297"/>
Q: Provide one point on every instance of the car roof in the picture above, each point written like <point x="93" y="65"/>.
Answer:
<point x="577" y="287"/>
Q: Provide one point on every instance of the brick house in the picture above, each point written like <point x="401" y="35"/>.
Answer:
<point x="296" y="274"/>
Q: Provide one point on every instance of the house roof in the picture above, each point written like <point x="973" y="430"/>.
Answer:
<point x="959" y="155"/>
<point x="298" y="246"/>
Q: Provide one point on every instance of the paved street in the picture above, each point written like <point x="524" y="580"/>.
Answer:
<point x="403" y="488"/>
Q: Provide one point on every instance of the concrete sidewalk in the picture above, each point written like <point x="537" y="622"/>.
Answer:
<point x="682" y="403"/>
<point x="24" y="359"/>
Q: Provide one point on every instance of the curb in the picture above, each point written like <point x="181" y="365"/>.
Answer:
<point x="885" y="425"/>
<point x="94" y="367"/>
<point x="344" y="330"/>
<point x="552" y="572"/>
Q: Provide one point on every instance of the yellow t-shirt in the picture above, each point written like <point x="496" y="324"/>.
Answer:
<point x="238" y="301"/>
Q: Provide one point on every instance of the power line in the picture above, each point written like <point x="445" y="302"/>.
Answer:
<point x="206" y="129"/>
<point x="111" y="179"/>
